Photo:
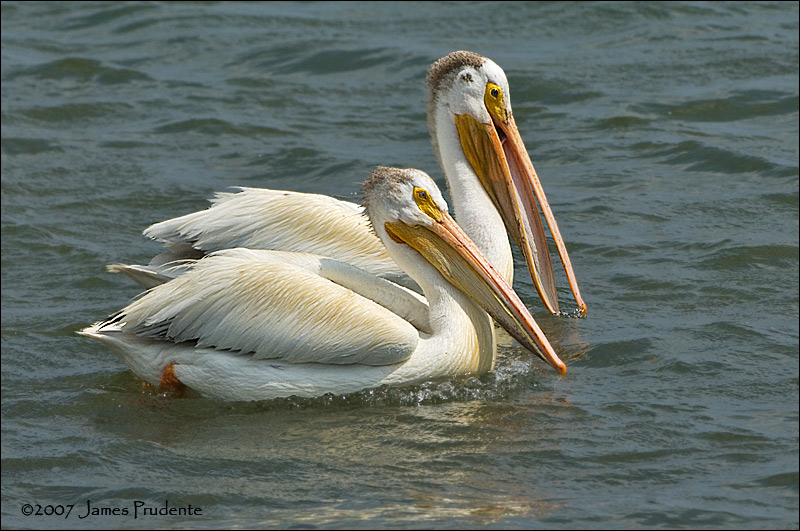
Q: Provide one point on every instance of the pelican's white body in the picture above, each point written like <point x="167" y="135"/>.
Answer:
<point x="243" y="324"/>
<point x="309" y="325"/>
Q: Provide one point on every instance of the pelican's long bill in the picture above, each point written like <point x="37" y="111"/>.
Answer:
<point x="497" y="154"/>
<point x="451" y="251"/>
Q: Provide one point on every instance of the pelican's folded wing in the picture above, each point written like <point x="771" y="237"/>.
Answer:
<point x="271" y="306"/>
<point x="259" y="218"/>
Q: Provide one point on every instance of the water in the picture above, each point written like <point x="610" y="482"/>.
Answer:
<point x="666" y="136"/>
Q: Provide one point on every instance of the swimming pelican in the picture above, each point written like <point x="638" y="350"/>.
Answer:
<point x="245" y="324"/>
<point x="490" y="177"/>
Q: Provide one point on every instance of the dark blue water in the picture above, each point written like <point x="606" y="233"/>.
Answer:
<point x="666" y="137"/>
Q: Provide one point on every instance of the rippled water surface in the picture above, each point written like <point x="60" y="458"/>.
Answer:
<point x="666" y="136"/>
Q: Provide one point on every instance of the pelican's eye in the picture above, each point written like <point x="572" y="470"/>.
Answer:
<point x="493" y="99"/>
<point x="425" y="203"/>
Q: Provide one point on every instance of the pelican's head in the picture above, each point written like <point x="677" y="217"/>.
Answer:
<point x="394" y="194"/>
<point x="465" y="83"/>
<point x="470" y="118"/>
<point x="407" y="211"/>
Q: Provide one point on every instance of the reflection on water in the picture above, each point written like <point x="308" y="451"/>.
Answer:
<point x="431" y="462"/>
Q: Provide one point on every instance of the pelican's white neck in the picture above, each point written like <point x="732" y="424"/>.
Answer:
<point x="472" y="206"/>
<point x="462" y="333"/>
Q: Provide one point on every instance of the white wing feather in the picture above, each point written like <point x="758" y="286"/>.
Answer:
<point x="276" y="305"/>
<point x="259" y="218"/>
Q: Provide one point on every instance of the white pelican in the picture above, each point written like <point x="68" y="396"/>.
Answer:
<point x="245" y="324"/>
<point x="490" y="177"/>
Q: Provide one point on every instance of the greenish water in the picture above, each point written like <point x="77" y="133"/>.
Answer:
<point x="666" y="137"/>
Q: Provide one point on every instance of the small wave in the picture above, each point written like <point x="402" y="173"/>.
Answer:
<point x="739" y="105"/>
<point x="71" y="113"/>
<point x="80" y="69"/>
<point x="215" y="127"/>
<point x="751" y="257"/>
<point x="28" y="146"/>
<point x="699" y="157"/>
